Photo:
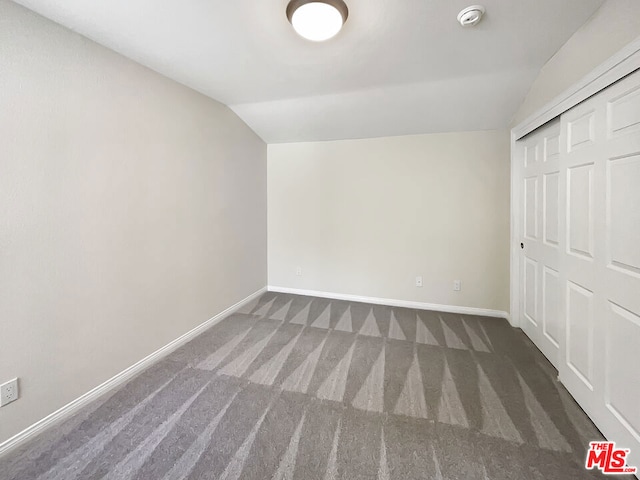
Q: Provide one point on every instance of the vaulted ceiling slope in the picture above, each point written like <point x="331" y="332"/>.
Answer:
<point x="398" y="67"/>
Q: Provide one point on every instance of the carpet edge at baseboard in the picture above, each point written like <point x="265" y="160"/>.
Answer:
<point x="70" y="408"/>
<point x="484" y="312"/>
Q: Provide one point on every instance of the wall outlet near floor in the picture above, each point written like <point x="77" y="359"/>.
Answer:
<point x="457" y="285"/>
<point x="8" y="392"/>
<point x="299" y="271"/>
<point x="418" y="281"/>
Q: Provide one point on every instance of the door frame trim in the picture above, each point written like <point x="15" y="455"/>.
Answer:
<point x="621" y="64"/>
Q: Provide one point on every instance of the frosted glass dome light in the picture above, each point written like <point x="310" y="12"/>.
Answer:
<point x="317" y="20"/>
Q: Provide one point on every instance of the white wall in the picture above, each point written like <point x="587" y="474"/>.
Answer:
<point x="614" y="25"/>
<point x="132" y="209"/>
<point x="365" y="217"/>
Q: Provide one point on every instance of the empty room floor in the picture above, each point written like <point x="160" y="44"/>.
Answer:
<point x="294" y="387"/>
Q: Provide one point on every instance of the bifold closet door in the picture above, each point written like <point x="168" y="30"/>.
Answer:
<point x="599" y="259"/>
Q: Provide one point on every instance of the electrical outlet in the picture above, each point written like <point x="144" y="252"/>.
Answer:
<point x="299" y="271"/>
<point x="418" y="281"/>
<point x="457" y="285"/>
<point x="8" y="392"/>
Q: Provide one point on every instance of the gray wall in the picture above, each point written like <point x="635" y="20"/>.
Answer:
<point x="132" y="209"/>
<point x="614" y="25"/>
<point x="365" y="217"/>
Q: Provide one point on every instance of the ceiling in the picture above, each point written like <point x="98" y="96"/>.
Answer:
<point x="398" y="67"/>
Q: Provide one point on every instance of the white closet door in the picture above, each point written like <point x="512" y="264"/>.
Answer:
<point x="539" y="282"/>
<point x="599" y="262"/>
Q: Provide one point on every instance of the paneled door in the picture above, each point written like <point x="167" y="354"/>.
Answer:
<point x="539" y="236"/>
<point x="599" y="261"/>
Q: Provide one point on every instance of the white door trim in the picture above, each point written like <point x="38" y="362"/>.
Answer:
<point x="618" y="66"/>
<point x="514" y="283"/>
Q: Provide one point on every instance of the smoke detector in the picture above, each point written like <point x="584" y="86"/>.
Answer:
<point x="471" y="16"/>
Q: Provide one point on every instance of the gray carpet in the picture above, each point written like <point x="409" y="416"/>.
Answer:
<point x="305" y="388"/>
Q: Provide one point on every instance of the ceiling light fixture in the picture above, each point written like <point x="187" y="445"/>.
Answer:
<point x="317" y="20"/>
<point x="471" y="16"/>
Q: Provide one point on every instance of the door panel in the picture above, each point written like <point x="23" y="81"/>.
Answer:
<point x="551" y="206"/>
<point x="551" y="306"/>
<point x="530" y="154"/>
<point x="580" y="268"/>
<point x="531" y="290"/>
<point x="580" y="238"/>
<point x="599" y="264"/>
<point x="531" y="208"/>
<point x="623" y="113"/>
<point x="580" y="210"/>
<point x="621" y="385"/>
<point x="540" y="204"/>
<point x="623" y="202"/>
<point x="623" y="338"/>
<point x="581" y="131"/>
<point x="620" y="266"/>
<point x="552" y="147"/>
<point x="579" y="354"/>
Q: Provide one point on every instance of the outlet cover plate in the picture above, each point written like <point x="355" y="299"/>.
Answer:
<point x="9" y="392"/>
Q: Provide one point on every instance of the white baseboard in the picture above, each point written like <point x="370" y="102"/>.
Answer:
<point x="119" y="379"/>
<point x="394" y="303"/>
